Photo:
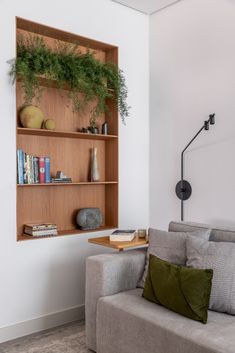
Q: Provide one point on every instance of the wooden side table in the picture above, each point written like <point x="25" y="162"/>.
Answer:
<point x="118" y="245"/>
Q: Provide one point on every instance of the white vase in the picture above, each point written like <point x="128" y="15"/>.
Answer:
<point x="95" y="175"/>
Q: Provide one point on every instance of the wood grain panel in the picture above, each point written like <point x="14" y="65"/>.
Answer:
<point x="69" y="134"/>
<point x="57" y="205"/>
<point x="55" y="104"/>
<point x="118" y="245"/>
<point x="111" y="205"/>
<point x="112" y="114"/>
<point x="71" y="156"/>
<point x="111" y="158"/>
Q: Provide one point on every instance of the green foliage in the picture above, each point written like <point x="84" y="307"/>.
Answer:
<point x="88" y="78"/>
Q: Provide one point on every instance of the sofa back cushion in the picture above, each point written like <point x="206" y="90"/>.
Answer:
<point x="218" y="234"/>
<point x="219" y="256"/>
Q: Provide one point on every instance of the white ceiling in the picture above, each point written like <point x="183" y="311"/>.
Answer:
<point x="147" y="6"/>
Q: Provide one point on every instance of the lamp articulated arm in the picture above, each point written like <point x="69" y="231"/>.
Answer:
<point x="183" y="188"/>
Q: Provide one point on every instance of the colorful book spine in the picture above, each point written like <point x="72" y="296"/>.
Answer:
<point x="20" y="166"/>
<point x="25" y="161"/>
<point x="36" y="169"/>
<point x="47" y="170"/>
<point x="27" y="169"/>
<point x="41" y="170"/>
<point x="32" y="181"/>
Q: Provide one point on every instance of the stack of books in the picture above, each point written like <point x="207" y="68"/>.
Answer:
<point x="122" y="235"/>
<point x="40" y="229"/>
<point x="32" y="169"/>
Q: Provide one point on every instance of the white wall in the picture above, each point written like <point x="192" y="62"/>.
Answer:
<point x="45" y="276"/>
<point x="192" y="74"/>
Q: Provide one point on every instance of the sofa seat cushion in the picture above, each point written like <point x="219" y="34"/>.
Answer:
<point x="127" y="323"/>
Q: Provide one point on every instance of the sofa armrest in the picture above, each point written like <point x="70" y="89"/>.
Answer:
<point x="106" y="275"/>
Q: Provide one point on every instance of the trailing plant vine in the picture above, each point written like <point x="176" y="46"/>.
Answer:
<point x="88" y="78"/>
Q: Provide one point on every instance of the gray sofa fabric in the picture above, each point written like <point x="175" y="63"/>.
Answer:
<point x="119" y="320"/>
<point x="106" y="275"/>
<point x="217" y="233"/>
<point x="219" y="256"/>
<point x="127" y="323"/>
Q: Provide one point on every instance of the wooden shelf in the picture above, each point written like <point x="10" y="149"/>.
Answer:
<point x="89" y="183"/>
<point x="53" y="83"/>
<point x="68" y="134"/>
<point x="66" y="232"/>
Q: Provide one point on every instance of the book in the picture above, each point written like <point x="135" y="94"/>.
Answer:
<point x="47" y="170"/>
<point x="27" y="169"/>
<point x="25" y="161"/>
<point x="20" y="166"/>
<point x="122" y="235"/>
<point x="31" y="170"/>
<point x="41" y="170"/>
<point x="36" y="169"/>
<point x="40" y="226"/>
<point x="38" y="233"/>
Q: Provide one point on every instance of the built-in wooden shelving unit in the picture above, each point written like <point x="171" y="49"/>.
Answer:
<point x="68" y="149"/>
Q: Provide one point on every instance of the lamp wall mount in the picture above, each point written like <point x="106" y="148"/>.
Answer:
<point x="183" y="188"/>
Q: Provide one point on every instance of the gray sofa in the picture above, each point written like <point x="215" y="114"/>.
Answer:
<point x="119" y="320"/>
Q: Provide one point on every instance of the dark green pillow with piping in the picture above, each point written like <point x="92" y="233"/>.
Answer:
<point x="184" y="290"/>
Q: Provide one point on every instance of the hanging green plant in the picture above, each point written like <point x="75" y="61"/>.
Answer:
<point x="67" y="66"/>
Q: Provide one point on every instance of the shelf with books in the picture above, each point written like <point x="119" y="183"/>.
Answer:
<point x="88" y="183"/>
<point x="65" y="233"/>
<point x="67" y="134"/>
<point x="67" y="149"/>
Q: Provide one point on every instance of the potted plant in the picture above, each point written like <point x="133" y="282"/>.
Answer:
<point x="67" y="66"/>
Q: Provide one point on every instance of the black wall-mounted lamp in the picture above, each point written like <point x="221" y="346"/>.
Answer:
<point x="183" y="188"/>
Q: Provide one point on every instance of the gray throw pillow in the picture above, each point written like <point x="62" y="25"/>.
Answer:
<point x="169" y="246"/>
<point x="220" y="257"/>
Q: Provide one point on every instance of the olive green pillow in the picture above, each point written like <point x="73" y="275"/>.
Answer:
<point x="184" y="290"/>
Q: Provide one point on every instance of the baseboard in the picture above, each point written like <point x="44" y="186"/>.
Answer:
<point x="41" y="323"/>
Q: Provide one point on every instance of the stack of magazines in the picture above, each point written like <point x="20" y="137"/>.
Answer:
<point x="122" y="235"/>
<point x="40" y="229"/>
